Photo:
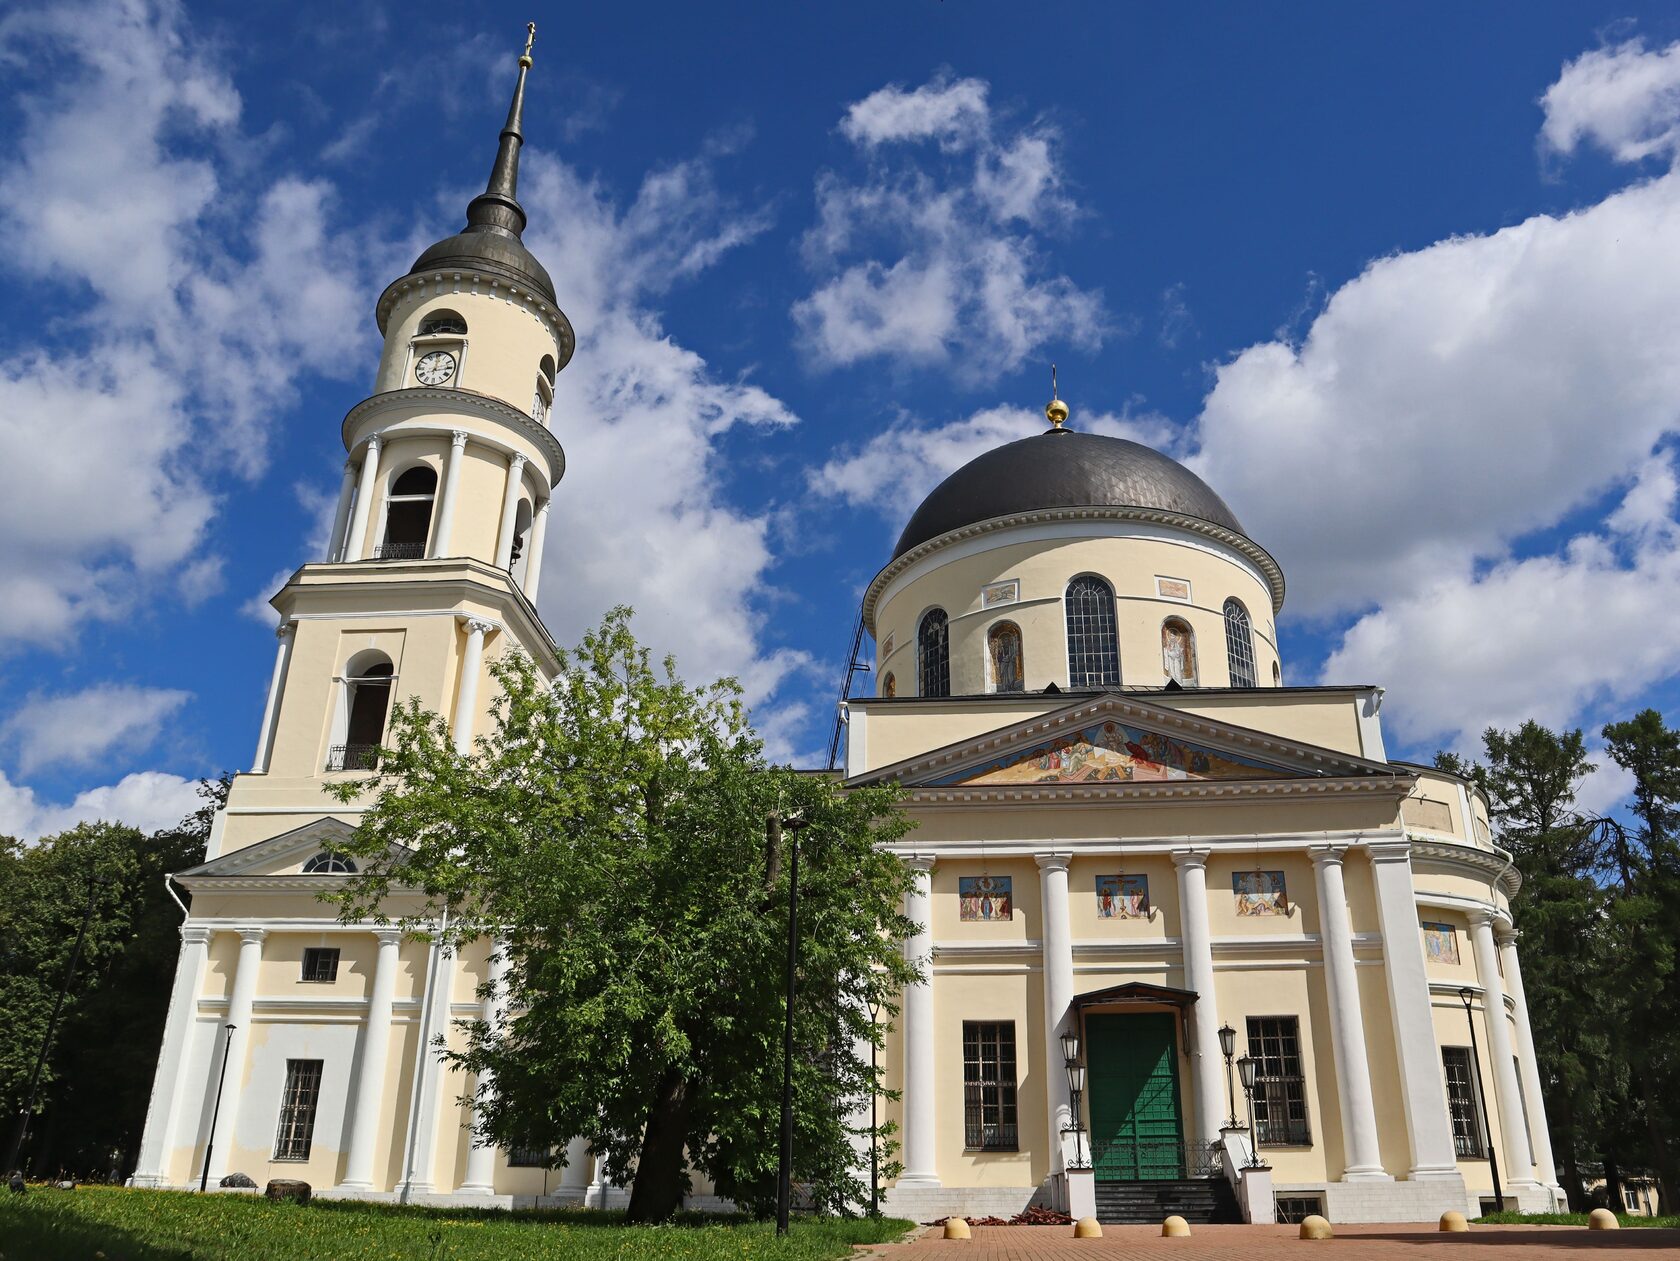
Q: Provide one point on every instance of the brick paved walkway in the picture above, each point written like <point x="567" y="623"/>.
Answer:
<point x="1256" y="1243"/>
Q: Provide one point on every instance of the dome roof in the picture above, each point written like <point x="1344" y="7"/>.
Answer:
<point x="487" y="249"/>
<point x="1063" y="468"/>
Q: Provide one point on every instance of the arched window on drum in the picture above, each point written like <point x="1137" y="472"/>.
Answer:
<point x="1093" y="640"/>
<point x="933" y="654"/>
<point x="1005" y="664"/>
<point x="1239" y="645"/>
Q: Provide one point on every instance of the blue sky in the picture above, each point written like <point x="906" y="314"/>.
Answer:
<point x="1403" y="284"/>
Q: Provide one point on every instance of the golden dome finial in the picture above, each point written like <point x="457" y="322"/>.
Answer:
<point x="530" y="38"/>
<point x="1055" y="410"/>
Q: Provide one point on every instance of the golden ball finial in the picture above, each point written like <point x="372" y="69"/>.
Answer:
<point x="1056" y="412"/>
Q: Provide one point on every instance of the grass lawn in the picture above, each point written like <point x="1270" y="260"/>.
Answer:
<point x="1572" y="1219"/>
<point x="116" y="1224"/>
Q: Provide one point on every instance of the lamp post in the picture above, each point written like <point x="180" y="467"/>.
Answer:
<point x="1465" y="994"/>
<point x="1228" y="1047"/>
<point x="1076" y="1092"/>
<point x="874" y="1115"/>
<point x="1248" y="1068"/>
<point x="215" y="1112"/>
<point x="95" y="884"/>
<point x="784" y="1166"/>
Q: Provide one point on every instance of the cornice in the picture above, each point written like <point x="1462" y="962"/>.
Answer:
<point x="960" y="796"/>
<point x="498" y="287"/>
<point x="467" y="402"/>
<point x="1490" y="865"/>
<point x="1249" y="549"/>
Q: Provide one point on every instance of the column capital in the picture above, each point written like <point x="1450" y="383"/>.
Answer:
<point x="1480" y="917"/>
<point x="921" y="862"/>
<point x="458" y="439"/>
<point x="542" y="505"/>
<point x="1190" y="858"/>
<point x="476" y="625"/>
<point x="1391" y="851"/>
<point x="388" y="936"/>
<point x="251" y="935"/>
<point x="350" y="466"/>
<point x="374" y="443"/>
<point x="1505" y="934"/>
<point x="516" y="461"/>
<point x="1053" y="862"/>
<point x="284" y="629"/>
<point x="1327" y="855"/>
<point x="196" y="934"/>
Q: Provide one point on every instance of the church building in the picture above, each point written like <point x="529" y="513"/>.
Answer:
<point x="1190" y="940"/>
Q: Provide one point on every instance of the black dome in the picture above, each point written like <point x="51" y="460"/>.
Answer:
<point x="487" y="249"/>
<point x="1062" y="468"/>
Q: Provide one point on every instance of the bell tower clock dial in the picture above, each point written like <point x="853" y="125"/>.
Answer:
<point x="435" y="367"/>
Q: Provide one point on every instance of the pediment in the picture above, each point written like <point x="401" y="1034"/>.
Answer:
<point x="282" y="855"/>
<point x="1118" y="741"/>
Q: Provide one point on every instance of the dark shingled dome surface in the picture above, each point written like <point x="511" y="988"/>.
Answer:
<point x="1062" y="469"/>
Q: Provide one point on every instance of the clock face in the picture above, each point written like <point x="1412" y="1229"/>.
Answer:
<point x="435" y="368"/>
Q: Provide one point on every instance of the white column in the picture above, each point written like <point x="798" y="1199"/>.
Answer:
<point x="370" y="1077"/>
<point x="921" y="1165"/>
<point x="239" y="1015"/>
<point x="1421" y="1091"/>
<point x="163" y="1112"/>
<point x="271" y="708"/>
<point x="446" y="497"/>
<point x="341" y="518"/>
<point x="510" y="510"/>
<point x="429" y="1072"/>
<point x="533" y="558"/>
<point x="1503" y="1069"/>
<point x="1546" y="1166"/>
<point x="1058" y="994"/>
<point x="355" y="544"/>
<point x="1205" y="1056"/>
<point x="579" y="1172"/>
<point x="481" y="1157"/>
<point x="466" y="696"/>
<point x="1361" y="1154"/>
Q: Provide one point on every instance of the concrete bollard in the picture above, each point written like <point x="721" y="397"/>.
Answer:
<point x="1087" y="1228"/>
<point x="1316" y="1227"/>
<point x="1175" y="1227"/>
<point x="1454" y="1222"/>
<point x="1602" y="1219"/>
<point x="956" y="1228"/>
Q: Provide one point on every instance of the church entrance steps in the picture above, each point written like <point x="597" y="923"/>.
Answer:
<point x="1196" y="1200"/>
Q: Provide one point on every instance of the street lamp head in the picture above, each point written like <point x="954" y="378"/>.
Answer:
<point x="1249" y="1070"/>
<point x="1070" y="1045"/>
<point x="1076" y="1078"/>
<point x="1465" y="995"/>
<point x="1227" y="1040"/>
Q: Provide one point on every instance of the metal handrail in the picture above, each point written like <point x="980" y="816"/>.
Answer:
<point x="1158" y="1160"/>
<point x="400" y="551"/>
<point x="353" y="757"/>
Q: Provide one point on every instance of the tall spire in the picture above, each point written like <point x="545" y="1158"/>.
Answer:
<point x="498" y="205"/>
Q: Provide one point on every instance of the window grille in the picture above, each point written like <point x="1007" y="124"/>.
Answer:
<point x="1239" y="644"/>
<point x="1461" y="1102"/>
<point x="329" y="863"/>
<point x="933" y="654"/>
<point x="297" y="1110"/>
<point x="1292" y="1209"/>
<point x="1092" y="634"/>
<point x="529" y="1156"/>
<point x="320" y="964"/>
<point x="1280" y="1085"/>
<point x="989" y="1120"/>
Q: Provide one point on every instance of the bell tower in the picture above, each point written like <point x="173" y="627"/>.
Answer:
<point x="436" y="549"/>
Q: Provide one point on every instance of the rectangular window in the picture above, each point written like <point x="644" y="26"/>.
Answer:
<point x="1291" y="1209"/>
<point x="297" y="1109"/>
<point x="1461" y="1103"/>
<point x="320" y="964"/>
<point x="1280" y="1082"/>
<point x="989" y="1085"/>
<point x="526" y="1156"/>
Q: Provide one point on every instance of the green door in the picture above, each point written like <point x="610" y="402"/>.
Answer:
<point x="1132" y="1064"/>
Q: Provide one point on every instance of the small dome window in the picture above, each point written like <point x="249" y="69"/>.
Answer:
<point x="542" y="398"/>
<point x="443" y="324"/>
<point x="1239" y="645"/>
<point x="329" y="863"/>
<point x="933" y="654"/>
<point x="1093" y="634"/>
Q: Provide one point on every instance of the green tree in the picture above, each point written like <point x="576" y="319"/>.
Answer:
<point x="611" y="830"/>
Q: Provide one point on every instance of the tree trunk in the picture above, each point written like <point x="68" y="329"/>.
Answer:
<point x="1613" y="1183"/>
<point x="1565" y="1139"/>
<point x="658" y="1190"/>
<point x="1664" y="1166"/>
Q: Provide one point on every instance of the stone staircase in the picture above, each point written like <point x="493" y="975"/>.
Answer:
<point x="1194" y="1199"/>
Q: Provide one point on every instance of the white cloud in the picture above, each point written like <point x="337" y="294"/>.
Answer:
<point x="1625" y="99"/>
<point x="934" y="256"/>
<point x="117" y="436"/>
<point x="82" y="727"/>
<point x="894" y="471"/>
<point x="148" y="800"/>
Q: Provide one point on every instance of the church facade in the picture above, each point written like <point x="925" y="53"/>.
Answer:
<point x="1142" y="861"/>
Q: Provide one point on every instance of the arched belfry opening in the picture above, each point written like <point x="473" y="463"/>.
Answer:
<point x="408" y="515"/>
<point x="365" y="705"/>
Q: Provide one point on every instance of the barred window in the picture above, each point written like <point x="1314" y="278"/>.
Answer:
<point x="1092" y="635"/>
<point x="329" y="863"/>
<point x="529" y="1156"/>
<point x="1239" y="644"/>
<point x="320" y="964"/>
<point x="1462" y="1104"/>
<point x="297" y="1110"/>
<point x="989" y="1122"/>
<point x="1280" y="1085"/>
<point x="933" y="654"/>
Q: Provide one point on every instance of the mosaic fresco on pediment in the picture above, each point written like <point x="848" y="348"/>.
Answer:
<point x="1112" y="752"/>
